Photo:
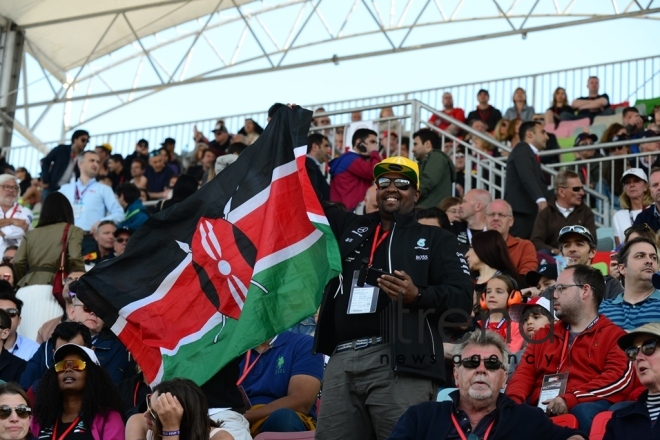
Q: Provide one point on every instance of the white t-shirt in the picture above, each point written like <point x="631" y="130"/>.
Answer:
<point x="622" y="220"/>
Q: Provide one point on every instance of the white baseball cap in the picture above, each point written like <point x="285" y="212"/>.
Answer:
<point x="85" y="352"/>
<point x="637" y="172"/>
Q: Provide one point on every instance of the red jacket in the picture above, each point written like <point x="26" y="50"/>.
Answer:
<point x="597" y="368"/>
<point x="352" y="175"/>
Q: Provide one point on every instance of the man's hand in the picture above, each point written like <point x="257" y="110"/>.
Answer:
<point x="556" y="406"/>
<point x="401" y="284"/>
<point x="542" y="205"/>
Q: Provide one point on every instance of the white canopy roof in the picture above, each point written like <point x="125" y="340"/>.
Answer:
<point x="62" y="34"/>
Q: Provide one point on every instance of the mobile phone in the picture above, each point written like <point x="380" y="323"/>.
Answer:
<point x="362" y="147"/>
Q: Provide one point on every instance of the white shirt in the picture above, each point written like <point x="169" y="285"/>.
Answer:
<point x="622" y="220"/>
<point x="92" y="203"/>
<point x="564" y="211"/>
<point x="13" y="235"/>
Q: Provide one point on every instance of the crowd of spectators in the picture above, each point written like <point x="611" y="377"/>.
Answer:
<point x="527" y="271"/>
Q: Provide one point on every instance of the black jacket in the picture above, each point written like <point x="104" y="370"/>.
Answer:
<point x="317" y="179"/>
<point x="54" y="165"/>
<point x="649" y="217"/>
<point x="431" y="420"/>
<point x="632" y="421"/>
<point x="524" y="180"/>
<point x="11" y="366"/>
<point x="430" y="256"/>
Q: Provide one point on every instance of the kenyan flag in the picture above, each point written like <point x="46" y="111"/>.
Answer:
<point x="244" y="258"/>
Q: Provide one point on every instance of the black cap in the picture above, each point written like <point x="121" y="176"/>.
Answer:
<point x="483" y="91"/>
<point x="126" y="229"/>
<point x="582" y="136"/>
<point x="169" y="141"/>
<point x="545" y="270"/>
<point x="143" y="141"/>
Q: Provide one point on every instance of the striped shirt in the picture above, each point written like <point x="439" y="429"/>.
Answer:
<point x="630" y="316"/>
<point x="653" y="405"/>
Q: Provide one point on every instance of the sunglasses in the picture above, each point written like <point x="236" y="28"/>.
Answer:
<point x="385" y="182"/>
<point x="151" y="413"/>
<point x="73" y="364"/>
<point x="576" y="189"/>
<point x="647" y="348"/>
<point x="491" y="363"/>
<point x="121" y="240"/>
<point x="12" y="312"/>
<point x="22" y="411"/>
<point x="575" y="228"/>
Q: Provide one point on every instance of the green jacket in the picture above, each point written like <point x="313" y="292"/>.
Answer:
<point x="436" y="173"/>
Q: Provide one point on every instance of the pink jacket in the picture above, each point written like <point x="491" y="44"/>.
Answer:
<point x="110" y="427"/>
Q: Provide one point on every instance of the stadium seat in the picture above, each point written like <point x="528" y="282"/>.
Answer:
<point x="605" y="237"/>
<point x="443" y="394"/>
<point x="566" y="143"/>
<point x="304" y="435"/>
<point x="620" y="105"/>
<point x="641" y="108"/>
<point x="598" y="130"/>
<point x="608" y="120"/>
<point x="649" y="103"/>
<point x="566" y="128"/>
<point x="566" y="420"/>
<point x="550" y="128"/>
<point x="579" y="130"/>
<point x="599" y="424"/>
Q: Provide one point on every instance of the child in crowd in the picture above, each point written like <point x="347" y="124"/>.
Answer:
<point x="532" y="317"/>
<point x="501" y="293"/>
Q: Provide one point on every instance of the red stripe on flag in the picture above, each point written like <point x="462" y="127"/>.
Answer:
<point x="279" y="222"/>
<point x="309" y="193"/>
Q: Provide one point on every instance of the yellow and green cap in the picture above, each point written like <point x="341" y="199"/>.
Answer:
<point x="398" y="164"/>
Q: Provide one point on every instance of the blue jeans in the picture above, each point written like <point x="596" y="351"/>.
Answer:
<point x="283" y="420"/>
<point x="585" y="413"/>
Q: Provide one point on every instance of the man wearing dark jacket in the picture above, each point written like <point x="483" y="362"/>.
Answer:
<point x="318" y="153"/>
<point x="11" y="366"/>
<point x="60" y="163"/>
<point x="385" y="335"/>
<point x="478" y="408"/>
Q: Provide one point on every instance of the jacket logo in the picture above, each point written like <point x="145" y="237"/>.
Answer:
<point x="421" y="244"/>
<point x="359" y="231"/>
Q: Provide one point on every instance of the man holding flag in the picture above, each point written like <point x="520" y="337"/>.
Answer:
<point x="384" y="336"/>
<point x="241" y="260"/>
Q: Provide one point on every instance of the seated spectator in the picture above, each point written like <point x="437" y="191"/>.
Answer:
<point x="499" y="218"/>
<point x="485" y="112"/>
<point x="459" y="164"/>
<point x="501" y="133"/>
<point x="173" y="159"/>
<point x="640" y="419"/>
<point x="184" y="187"/>
<point x="542" y="278"/>
<point x="195" y="160"/>
<point x="647" y="163"/>
<point x="282" y="383"/>
<point x="47" y="329"/>
<point x="116" y="171"/>
<point x="594" y="104"/>
<point x="8" y="273"/>
<point x="352" y="172"/>
<point x="392" y="125"/>
<point x="222" y="162"/>
<point x="514" y="132"/>
<point x="75" y="397"/>
<point x="25" y="179"/>
<point x="559" y="106"/>
<point x="63" y="333"/>
<point x="639" y="303"/>
<point x="564" y="209"/>
<point x="450" y="110"/>
<point x="176" y="406"/>
<point x="436" y="169"/>
<point x="138" y="168"/>
<point x="129" y="199"/>
<point x="451" y="207"/>
<point x="650" y="215"/>
<point x="598" y="374"/>
<point x="105" y="240"/>
<point x="221" y="138"/>
<point x="636" y="195"/>
<point x="478" y="408"/>
<point x="121" y="238"/>
<point x="488" y="257"/>
<point x="104" y="151"/>
<point x="578" y="246"/>
<point x="532" y="316"/>
<point x="520" y="109"/>
<point x="15" y="343"/>
<point x="251" y="130"/>
<point x="11" y="366"/>
<point x="389" y="144"/>
<point x="433" y="217"/>
<point x="8" y="254"/>
<point x="158" y="176"/>
<point x="500" y="294"/>
<point x="16" y="413"/>
<point x="141" y="152"/>
<point x="633" y="122"/>
<point x="370" y="202"/>
<point x="473" y="215"/>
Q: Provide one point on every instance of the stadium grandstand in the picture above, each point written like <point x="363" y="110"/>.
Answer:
<point x="539" y="179"/>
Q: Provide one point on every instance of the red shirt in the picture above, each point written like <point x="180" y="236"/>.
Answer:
<point x="456" y="113"/>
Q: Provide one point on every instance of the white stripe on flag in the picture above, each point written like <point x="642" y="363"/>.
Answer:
<point x="300" y="151"/>
<point x="260" y="198"/>
<point x="160" y="292"/>
<point x="287" y="252"/>
<point x="316" y="218"/>
<point x="216" y="319"/>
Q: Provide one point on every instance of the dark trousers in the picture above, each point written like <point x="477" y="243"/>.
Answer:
<point x="523" y="224"/>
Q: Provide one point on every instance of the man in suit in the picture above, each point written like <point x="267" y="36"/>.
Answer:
<point x="318" y="153"/>
<point x="58" y="165"/>
<point x="525" y="189"/>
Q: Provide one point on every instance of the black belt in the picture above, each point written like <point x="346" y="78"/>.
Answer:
<point x="359" y="344"/>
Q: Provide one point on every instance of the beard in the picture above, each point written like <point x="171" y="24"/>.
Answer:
<point x="480" y="394"/>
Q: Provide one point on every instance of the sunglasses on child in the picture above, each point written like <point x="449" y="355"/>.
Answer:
<point x="491" y="363"/>
<point x="647" y="348"/>
<point x="22" y="411"/>
<point x="385" y="182"/>
<point x="72" y="364"/>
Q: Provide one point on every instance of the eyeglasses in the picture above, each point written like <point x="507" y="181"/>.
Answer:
<point x="22" y="411"/>
<point x="84" y="140"/>
<point x="10" y="187"/>
<point x="385" y="182"/>
<point x="576" y="189"/>
<point x="647" y="347"/>
<point x="491" y="363"/>
<point x="84" y="307"/>
<point x="151" y="413"/>
<point x="121" y="240"/>
<point x="497" y="214"/>
<point x="72" y="364"/>
<point x="11" y="312"/>
<point x="559" y="288"/>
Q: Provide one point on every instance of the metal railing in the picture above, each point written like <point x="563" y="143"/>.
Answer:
<point x="626" y="80"/>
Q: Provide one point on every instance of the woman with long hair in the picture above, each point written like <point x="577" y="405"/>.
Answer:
<point x="38" y="259"/>
<point x="520" y="109"/>
<point x="488" y="257"/>
<point x="635" y="197"/>
<point x="559" y="105"/>
<point x="177" y="409"/>
<point x="76" y="396"/>
<point x="501" y="132"/>
<point x="15" y="413"/>
<point x="251" y="130"/>
<point x="514" y="128"/>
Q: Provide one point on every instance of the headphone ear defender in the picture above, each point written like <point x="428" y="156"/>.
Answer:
<point x="515" y="297"/>
<point x="482" y="301"/>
